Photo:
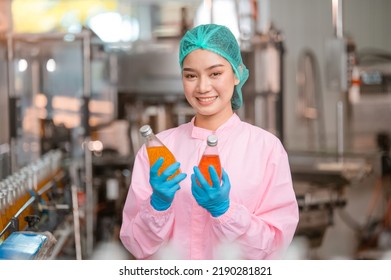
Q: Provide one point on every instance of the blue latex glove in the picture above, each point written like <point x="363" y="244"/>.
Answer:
<point x="215" y="199"/>
<point x="163" y="190"/>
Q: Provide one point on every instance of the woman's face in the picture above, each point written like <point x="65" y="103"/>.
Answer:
<point x="208" y="82"/>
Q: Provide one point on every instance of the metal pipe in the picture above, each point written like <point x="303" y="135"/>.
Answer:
<point x="208" y="8"/>
<point x="263" y="22"/>
<point x="89" y="198"/>
<point x="86" y="65"/>
<point x="340" y="129"/>
<point x="337" y="18"/>
<point x="86" y="45"/>
<point x="11" y="103"/>
<point x="76" y="222"/>
<point x="87" y="152"/>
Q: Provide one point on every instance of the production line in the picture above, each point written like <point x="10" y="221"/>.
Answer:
<point x="75" y="103"/>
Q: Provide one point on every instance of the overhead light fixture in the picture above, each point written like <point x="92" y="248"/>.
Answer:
<point x="111" y="27"/>
<point x="22" y="65"/>
<point x="51" y="65"/>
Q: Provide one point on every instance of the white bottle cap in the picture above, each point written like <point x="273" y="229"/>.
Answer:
<point x="145" y="130"/>
<point x="212" y="140"/>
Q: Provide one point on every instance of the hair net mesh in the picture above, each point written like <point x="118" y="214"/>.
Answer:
<point x="218" y="39"/>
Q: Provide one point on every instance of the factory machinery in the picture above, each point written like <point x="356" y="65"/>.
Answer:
<point x="53" y="110"/>
<point x="323" y="178"/>
<point x="36" y="209"/>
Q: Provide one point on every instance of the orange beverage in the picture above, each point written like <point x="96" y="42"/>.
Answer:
<point x="156" y="149"/>
<point x="6" y="214"/>
<point x="3" y="221"/>
<point x="210" y="157"/>
<point x="204" y="164"/>
<point x="154" y="153"/>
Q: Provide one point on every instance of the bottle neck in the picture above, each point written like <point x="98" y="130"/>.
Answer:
<point x="211" y="150"/>
<point x="152" y="141"/>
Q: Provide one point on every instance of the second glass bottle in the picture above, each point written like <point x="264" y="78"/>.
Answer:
<point x="210" y="157"/>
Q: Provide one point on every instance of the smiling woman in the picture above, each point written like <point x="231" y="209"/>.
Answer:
<point x="252" y="210"/>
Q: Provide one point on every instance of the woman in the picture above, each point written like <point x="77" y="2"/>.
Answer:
<point x="253" y="211"/>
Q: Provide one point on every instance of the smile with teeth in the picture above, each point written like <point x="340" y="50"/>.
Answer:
<point x="206" y="99"/>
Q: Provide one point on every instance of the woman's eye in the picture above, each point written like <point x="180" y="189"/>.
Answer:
<point x="189" y="76"/>
<point x="216" y="74"/>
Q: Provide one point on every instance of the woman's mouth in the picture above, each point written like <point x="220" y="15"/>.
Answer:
<point x="206" y="100"/>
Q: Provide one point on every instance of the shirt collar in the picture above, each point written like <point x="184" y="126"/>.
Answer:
<point x="202" y="133"/>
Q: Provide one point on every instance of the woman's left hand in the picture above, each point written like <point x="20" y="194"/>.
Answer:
<point x="215" y="198"/>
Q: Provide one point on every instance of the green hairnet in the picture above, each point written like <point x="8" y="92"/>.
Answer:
<point x="218" y="39"/>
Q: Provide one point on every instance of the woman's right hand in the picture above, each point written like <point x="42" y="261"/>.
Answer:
<point x="163" y="190"/>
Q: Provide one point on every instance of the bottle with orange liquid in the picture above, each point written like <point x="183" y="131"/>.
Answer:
<point x="156" y="149"/>
<point x="210" y="157"/>
<point x="3" y="221"/>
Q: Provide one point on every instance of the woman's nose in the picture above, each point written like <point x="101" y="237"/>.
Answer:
<point x="204" y="85"/>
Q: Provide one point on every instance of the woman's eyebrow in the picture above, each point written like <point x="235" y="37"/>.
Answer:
<point x="214" y="66"/>
<point x="208" y="68"/>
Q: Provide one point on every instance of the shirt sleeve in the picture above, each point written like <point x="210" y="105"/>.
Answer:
<point x="266" y="232"/>
<point x="144" y="230"/>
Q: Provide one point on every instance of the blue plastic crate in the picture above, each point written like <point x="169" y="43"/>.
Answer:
<point x="22" y="246"/>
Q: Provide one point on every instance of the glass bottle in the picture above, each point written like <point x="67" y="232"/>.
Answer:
<point x="3" y="221"/>
<point x="6" y="206"/>
<point x="156" y="149"/>
<point x="210" y="157"/>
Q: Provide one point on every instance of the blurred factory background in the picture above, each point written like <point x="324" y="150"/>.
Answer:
<point x="78" y="78"/>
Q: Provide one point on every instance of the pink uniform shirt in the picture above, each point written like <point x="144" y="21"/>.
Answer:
<point x="263" y="214"/>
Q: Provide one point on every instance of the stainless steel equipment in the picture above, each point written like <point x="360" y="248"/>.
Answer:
<point x="371" y="111"/>
<point x="320" y="180"/>
<point x="263" y="92"/>
<point x="263" y="50"/>
<point x="310" y="105"/>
